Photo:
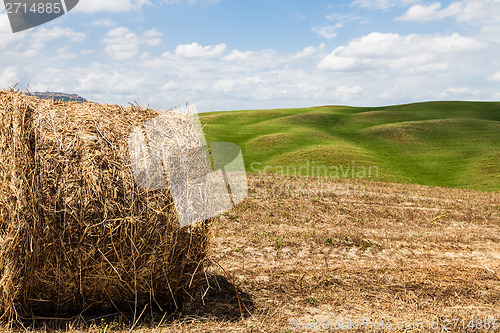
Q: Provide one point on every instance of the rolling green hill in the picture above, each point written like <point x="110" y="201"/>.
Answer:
<point x="449" y="144"/>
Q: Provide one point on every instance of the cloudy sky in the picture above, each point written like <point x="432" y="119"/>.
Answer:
<point x="244" y="54"/>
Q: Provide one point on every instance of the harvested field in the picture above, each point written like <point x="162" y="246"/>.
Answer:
<point x="314" y="249"/>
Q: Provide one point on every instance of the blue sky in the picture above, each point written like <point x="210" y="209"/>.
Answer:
<point x="235" y="54"/>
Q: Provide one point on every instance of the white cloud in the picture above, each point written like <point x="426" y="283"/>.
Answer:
<point x="191" y="2"/>
<point x="109" y="82"/>
<point x="8" y="40"/>
<point x="481" y="12"/>
<point x="239" y="56"/>
<point x="349" y="91"/>
<point x="334" y="62"/>
<point x="490" y="34"/>
<point x="45" y="34"/>
<point x="238" y="84"/>
<point x="309" y="51"/>
<point x="495" y="96"/>
<point x="152" y="37"/>
<point x="20" y="48"/>
<point x="92" y="6"/>
<point x="327" y="31"/>
<point x="9" y="77"/>
<point x="494" y="77"/>
<point x="195" y="50"/>
<point x="104" y="23"/>
<point x="375" y="4"/>
<point x="459" y="93"/>
<point x="382" y="5"/>
<point x="431" y="12"/>
<point x="122" y="43"/>
<point x="342" y="18"/>
<point x="336" y="22"/>
<point x="261" y="59"/>
<point x="411" y="52"/>
<point x="396" y="68"/>
<point x="225" y="85"/>
<point x="4" y="23"/>
<point x="171" y="85"/>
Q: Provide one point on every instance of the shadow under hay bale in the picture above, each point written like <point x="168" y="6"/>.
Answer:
<point x="76" y="233"/>
<point x="221" y="300"/>
<point x="217" y="299"/>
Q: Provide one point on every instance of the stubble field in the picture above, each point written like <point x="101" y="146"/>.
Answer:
<point x="304" y="252"/>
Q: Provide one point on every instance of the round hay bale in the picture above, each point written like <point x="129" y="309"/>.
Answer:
<point x="76" y="233"/>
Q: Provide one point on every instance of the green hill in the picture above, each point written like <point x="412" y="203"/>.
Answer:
<point x="450" y="144"/>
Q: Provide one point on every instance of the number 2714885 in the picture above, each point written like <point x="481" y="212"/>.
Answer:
<point x="35" y="8"/>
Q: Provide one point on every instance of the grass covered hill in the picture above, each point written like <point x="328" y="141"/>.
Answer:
<point x="450" y="144"/>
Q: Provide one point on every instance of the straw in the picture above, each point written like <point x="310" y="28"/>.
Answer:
<point x="76" y="233"/>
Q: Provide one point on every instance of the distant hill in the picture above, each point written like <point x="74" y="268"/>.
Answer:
<point x="57" y="96"/>
<point x="448" y="144"/>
